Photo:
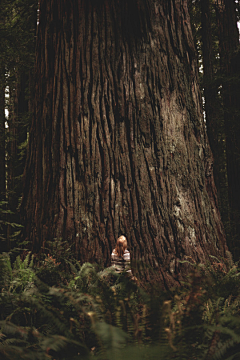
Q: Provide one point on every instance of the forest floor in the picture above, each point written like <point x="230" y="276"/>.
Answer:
<point x="56" y="309"/>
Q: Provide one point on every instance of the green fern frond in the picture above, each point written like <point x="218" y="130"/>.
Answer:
<point x="58" y="343"/>
<point x="235" y="356"/>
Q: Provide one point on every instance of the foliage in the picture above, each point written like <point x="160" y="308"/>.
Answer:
<point x="18" y="21"/>
<point x="104" y="315"/>
<point x="215" y="86"/>
<point x="17" y="28"/>
<point x="4" y="212"/>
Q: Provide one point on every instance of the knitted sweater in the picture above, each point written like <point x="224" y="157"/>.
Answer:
<point x="121" y="263"/>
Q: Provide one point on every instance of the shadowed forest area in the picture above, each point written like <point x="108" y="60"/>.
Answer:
<point x="119" y="117"/>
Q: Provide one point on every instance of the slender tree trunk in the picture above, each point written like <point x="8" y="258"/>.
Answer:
<point x="2" y="135"/>
<point x="118" y="143"/>
<point x="2" y="122"/>
<point x="2" y="155"/>
<point x="230" y="64"/>
<point x="17" y="128"/>
<point x="2" y="140"/>
<point x="210" y="89"/>
<point x="213" y="110"/>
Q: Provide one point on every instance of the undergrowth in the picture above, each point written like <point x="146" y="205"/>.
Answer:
<point x="77" y="312"/>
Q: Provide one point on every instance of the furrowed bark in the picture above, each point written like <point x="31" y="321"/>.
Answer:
<point x="118" y="143"/>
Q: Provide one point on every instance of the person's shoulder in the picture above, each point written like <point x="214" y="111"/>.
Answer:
<point x="126" y="252"/>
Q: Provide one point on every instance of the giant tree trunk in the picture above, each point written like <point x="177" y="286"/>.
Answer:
<point x="118" y="143"/>
<point x="230" y="66"/>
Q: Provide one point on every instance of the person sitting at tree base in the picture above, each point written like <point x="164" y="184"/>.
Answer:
<point x="120" y="257"/>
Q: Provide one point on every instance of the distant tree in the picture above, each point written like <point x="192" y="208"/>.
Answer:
<point x="209" y="85"/>
<point x="23" y="28"/>
<point x="2" y="131"/>
<point x="230" y="68"/>
<point x="2" y="134"/>
<point x="17" y="47"/>
<point x="118" y="142"/>
<point x="205" y="30"/>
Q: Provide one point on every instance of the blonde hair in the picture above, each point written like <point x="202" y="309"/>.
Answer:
<point x="120" y="246"/>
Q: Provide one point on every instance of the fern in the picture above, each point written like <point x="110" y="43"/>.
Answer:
<point x="89" y="312"/>
<point x="28" y="343"/>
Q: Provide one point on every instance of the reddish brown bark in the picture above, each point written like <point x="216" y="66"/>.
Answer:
<point x="118" y="143"/>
